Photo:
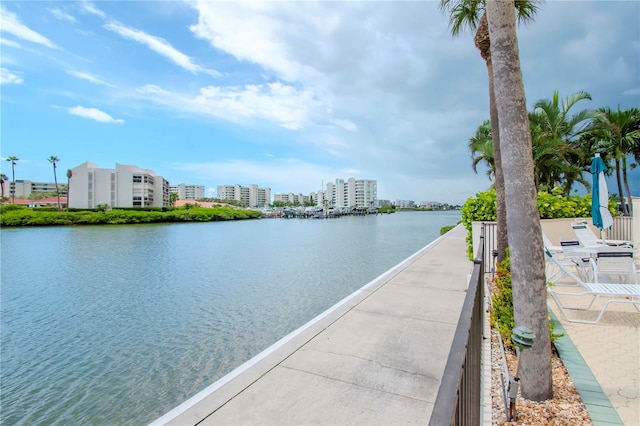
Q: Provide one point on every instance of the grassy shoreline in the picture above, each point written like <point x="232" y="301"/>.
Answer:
<point x="14" y="216"/>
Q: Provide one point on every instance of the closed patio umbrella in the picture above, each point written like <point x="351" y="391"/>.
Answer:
<point x="600" y="195"/>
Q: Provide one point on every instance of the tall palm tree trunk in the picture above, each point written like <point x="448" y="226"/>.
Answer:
<point x="623" y="204"/>
<point x="523" y="219"/>
<point x="483" y="43"/>
<point x="626" y="187"/>
<point x="13" y="178"/>
<point x="69" y="174"/>
<point x="55" y="178"/>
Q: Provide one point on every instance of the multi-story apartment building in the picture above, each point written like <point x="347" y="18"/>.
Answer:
<point x="187" y="192"/>
<point x="124" y="186"/>
<point x="430" y="204"/>
<point x="360" y="193"/>
<point x="354" y="192"/>
<point x="24" y="188"/>
<point x="251" y="196"/>
<point x="405" y="204"/>
<point x="292" y="198"/>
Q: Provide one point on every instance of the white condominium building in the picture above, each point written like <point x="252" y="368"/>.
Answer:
<point x="405" y="204"/>
<point x="24" y="188"/>
<point x="124" y="186"/>
<point x="353" y="193"/>
<point x="297" y="199"/>
<point x="251" y="196"/>
<point x="187" y="192"/>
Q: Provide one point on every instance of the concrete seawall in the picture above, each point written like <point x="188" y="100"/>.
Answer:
<point x="376" y="357"/>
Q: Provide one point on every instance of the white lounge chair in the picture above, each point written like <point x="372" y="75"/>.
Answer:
<point x="549" y="245"/>
<point x="559" y="267"/>
<point x="616" y="293"/>
<point x="588" y="239"/>
<point x="614" y="267"/>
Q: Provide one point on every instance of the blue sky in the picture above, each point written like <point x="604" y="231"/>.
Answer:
<point x="285" y="94"/>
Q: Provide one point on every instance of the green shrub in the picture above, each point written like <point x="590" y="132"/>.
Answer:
<point x="446" y="229"/>
<point x="501" y="314"/>
<point x="552" y="205"/>
<point x="11" y="207"/>
<point x="22" y="216"/>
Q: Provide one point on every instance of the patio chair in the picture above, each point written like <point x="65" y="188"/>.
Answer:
<point x="614" y="267"/>
<point x="559" y="267"/>
<point x="588" y="239"/>
<point x="549" y="245"/>
<point x="616" y="293"/>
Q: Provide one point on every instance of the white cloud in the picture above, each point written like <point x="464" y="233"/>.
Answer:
<point x="275" y="173"/>
<point x="9" y="43"/>
<point x="275" y="102"/>
<point x="632" y="92"/>
<point x="93" y="114"/>
<point x="89" y="7"/>
<point x="7" y="77"/>
<point x="152" y="89"/>
<point x="160" y="46"/>
<point x="89" y="77"/>
<point x="12" y="25"/>
<point x="346" y="124"/>
<point x="61" y="15"/>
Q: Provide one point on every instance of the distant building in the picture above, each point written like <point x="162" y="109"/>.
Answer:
<point x="297" y="199"/>
<point x="43" y="202"/>
<point x="380" y="203"/>
<point x="430" y="204"/>
<point x="187" y="192"/>
<point x="25" y="188"/>
<point x="405" y="204"/>
<point x="250" y="196"/>
<point x="124" y="186"/>
<point x="353" y="192"/>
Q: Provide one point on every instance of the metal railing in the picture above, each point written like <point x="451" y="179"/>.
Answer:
<point x="458" y="399"/>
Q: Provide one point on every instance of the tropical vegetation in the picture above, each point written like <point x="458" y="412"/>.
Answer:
<point x="54" y="161"/>
<point x="13" y="159"/>
<point x="14" y="215"/>
<point x="547" y="153"/>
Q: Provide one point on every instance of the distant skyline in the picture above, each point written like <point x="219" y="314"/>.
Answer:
<point x="286" y="95"/>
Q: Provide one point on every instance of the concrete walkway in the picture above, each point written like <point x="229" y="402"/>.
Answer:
<point x="377" y="357"/>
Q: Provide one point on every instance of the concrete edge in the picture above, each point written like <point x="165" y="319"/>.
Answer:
<point x="325" y="319"/>
<point x="595" y="400"/>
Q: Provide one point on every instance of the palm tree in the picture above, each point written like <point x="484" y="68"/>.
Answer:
<point x="523" y="218"/>
<point x="13" y="160"/>
<point x="556" y="162"/>
<point x="619" y="134"/>
<point x="481" y="148"/>
<point x="555" y="140"/>
<point x="471" y="14"/>
<point x="54" y="160"/>
<point x="3" y="179"/>
<point x="69" y="174"/>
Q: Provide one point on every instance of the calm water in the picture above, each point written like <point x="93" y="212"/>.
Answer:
<point x="120" y="324"/>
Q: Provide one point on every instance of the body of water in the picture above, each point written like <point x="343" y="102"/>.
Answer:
<point x="120" y="324"/>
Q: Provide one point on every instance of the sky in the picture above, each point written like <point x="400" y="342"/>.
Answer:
<point x="285" y="95"/>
